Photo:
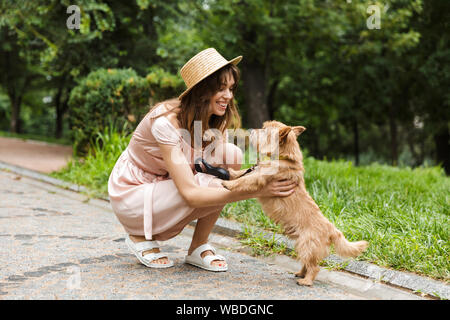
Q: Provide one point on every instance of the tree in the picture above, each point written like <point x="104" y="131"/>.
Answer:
<point x="346" y="79"/>
<point x="111" y="34"/>
<point x="16" y="74"/>
<point x="256" y="29"/>
<point x="432" y="64"/>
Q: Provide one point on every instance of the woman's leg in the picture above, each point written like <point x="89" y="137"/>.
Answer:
<point x="226" y="155"/>
<point x="202" y="230"/>
<point x="137" y="239"/>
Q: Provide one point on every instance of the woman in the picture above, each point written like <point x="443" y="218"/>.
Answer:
<point x="154" y="189"/>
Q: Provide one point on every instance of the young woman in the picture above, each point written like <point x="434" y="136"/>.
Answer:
<point x="154" y="189"/>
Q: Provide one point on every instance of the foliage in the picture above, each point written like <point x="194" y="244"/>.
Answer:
<point x="359" y="91"/>
<point x="317" y="63"/>
<point x="118" y="95"/>
<point x="163" y="84"/>
<point x="106" y="95"/>
<point x="37" y="45"/>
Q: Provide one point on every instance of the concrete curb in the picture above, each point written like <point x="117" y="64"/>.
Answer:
<point x="42" y="177"/>
<point x="409" y="281"/>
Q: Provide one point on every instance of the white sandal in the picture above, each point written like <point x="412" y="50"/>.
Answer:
<point x="139" y="247"/>
<point x="196" y="259"/>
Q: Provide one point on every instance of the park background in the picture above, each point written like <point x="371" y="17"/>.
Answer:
<point x="369" y="79"/>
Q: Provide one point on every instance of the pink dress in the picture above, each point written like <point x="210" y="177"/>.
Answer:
<point x="144" y="198"/>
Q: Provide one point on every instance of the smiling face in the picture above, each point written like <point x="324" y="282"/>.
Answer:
<point x="211" y="102"/>
<point x="221" y="99"/>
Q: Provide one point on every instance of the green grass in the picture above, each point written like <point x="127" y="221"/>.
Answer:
<point x="402" y="212"/>
<point x="261" y="244"/>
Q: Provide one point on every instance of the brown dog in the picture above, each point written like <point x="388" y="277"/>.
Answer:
<point x="299" y="215"/>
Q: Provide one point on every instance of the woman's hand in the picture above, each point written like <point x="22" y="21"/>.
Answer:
<point x="278" y="188"/>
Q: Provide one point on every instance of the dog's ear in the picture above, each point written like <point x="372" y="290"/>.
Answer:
<point x="284" y="132"/>
<point x="298" y="130"/>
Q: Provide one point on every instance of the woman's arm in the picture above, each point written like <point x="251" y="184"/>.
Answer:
<point x="197" y="196"/>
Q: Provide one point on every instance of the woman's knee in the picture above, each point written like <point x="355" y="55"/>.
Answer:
<point x="232" y="156"/>
<point x="226" y="155"/>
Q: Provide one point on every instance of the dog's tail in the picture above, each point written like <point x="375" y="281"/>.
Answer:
<point x="345" y="248"/>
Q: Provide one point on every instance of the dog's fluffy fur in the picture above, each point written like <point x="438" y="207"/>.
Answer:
<point x="298" y="214"/>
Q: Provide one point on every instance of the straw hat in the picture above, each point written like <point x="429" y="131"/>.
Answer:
<point x="202" y="65"/>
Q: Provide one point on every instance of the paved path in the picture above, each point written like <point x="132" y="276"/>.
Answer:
<point x="56" y="245"/>
<point x="34" y="155"/>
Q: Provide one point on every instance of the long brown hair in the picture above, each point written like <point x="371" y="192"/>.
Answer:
<point x="194" y="106"/>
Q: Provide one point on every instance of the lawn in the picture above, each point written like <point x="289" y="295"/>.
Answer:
<point x="402" y="212"/>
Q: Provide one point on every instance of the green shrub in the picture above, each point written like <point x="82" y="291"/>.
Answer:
<point x="163" y="85"/>
<point x="105" y="95"/>
<point x="115" y="95"/>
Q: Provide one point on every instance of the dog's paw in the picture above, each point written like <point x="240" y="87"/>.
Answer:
<point x="304" y="282"/>
<point x="232" y="174"/>
<point x="227" y="185"/>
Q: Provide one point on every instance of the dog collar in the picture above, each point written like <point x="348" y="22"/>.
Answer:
<point x="266" y="158"/>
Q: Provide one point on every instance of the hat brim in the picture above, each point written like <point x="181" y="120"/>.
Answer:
<point x="234" y="61"/>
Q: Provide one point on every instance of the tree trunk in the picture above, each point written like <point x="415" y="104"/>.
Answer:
<point x="442" y="141"/>
<point x="59" y="120"/>
<point x="15" y="123"/>
<point x="393" y="133"/>
<point x="15" y="98"/>
<point x="61" y="101"/>
<point x="271" y="99"/>
<point x="15" y="95"/>
<point x="255" y="95"/>
<point x="415" y="147"/>
<point x="356" y="140"/>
